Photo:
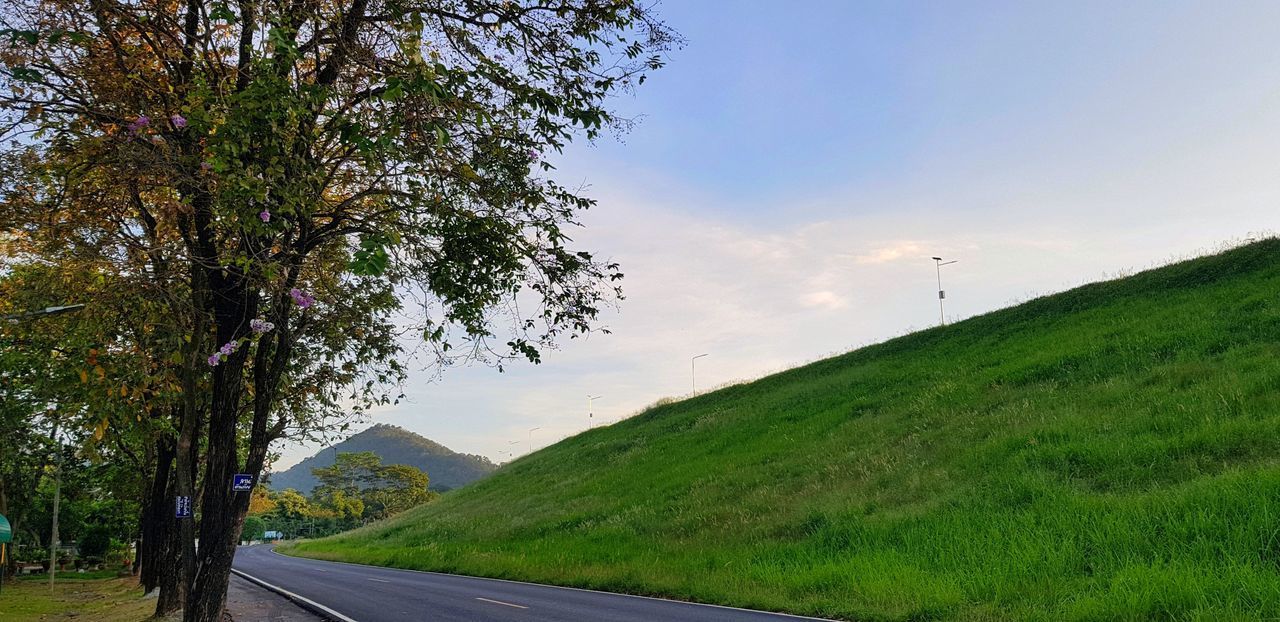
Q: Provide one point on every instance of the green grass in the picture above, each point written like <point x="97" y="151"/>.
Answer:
<point x="1108" y="453"/>
<point x="100" y="600"/>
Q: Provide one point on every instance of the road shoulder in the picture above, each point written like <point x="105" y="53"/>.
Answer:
<point x="247" y="602"/>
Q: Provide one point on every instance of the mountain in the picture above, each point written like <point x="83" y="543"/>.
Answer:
<point x="1107" y="453"/>
<point x="447" y="469"/>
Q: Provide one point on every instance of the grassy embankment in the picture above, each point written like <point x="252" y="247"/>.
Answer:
<point x="1111" y="452"/>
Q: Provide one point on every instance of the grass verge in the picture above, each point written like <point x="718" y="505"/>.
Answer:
<point x="100" y="600"/>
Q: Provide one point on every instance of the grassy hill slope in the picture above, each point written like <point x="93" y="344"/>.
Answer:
<point x="1111" y="452"/>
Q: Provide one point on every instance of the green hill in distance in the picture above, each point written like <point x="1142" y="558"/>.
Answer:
<point x="447" y="469"/>
<point x="1107" y="453"/>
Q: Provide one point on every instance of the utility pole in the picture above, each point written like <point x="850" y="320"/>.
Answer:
<point x="693" y="372"/>
<point x="591" y="399"/>
<point x="942" y="294"/>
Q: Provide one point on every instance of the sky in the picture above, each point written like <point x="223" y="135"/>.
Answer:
<point x="795" y="166"/>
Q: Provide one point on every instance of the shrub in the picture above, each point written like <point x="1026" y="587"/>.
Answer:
<point x="95" y="543"/>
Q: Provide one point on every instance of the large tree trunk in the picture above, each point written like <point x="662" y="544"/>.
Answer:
<point x="171" y="582"/>
<point x="222" y="510"/>
<point x="154" y="555"/>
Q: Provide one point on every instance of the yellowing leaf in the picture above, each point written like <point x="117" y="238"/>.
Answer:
<point x="123" y="391"/>
<point x="84" y="377"/>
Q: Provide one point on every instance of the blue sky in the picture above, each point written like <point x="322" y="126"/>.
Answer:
<point x="797" y="163"/>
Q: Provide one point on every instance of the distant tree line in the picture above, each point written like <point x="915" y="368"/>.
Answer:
<point x="356" y="490"/>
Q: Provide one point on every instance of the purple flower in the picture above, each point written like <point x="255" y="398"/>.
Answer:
<point x="534" y="155"/>
<point x="139" y="123"/>
<point x="261" y="326"/>
<point x="178" y="121"/>
<point x="205" y="166"/>
<point x="229" y="348"/>
<point x="214" y="359"/>
<point x="265" y="216"/>
<point x="301" y="298"/>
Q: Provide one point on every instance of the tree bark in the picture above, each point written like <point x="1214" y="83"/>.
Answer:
<point x="153" y="554"/>
<point x="170" y="582"/>
<point x="222" y="510"/>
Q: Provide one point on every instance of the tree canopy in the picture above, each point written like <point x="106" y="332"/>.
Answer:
<point x="285" y="187"/>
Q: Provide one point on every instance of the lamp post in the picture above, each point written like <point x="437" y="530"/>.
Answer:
<point x="942" y="294"/>
<point x="531" y="431"/>
<point x="591" y="399"/>
<point x="47" y="311"/>
<point x="693" y="372"/>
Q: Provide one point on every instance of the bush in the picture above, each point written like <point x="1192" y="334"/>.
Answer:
<point x="95" y="543"/>
<point x="253" y="528"/>
<point x="120" y="555"/>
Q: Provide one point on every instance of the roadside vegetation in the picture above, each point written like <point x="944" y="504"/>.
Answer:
<point x="1110" y="452"/>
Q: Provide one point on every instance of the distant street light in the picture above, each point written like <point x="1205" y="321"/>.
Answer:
<point x="591" y="410"/>
<point x="47" y="311"/>
<point x="531" y="431"/>
<point x="693" y="372"/>
<point x="942" y="294"/>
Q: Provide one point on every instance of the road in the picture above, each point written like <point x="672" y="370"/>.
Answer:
<point x="373" y="594"/>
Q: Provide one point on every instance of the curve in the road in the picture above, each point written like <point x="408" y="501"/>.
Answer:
<point x="354" y="592"/>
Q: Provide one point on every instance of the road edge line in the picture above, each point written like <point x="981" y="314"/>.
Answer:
<point x="302" y="601"/>
<point x="783" y="614"/>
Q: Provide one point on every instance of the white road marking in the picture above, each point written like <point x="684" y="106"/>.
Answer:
<point x="792" y="616"/>
<point x="290" y="595"/>
<point x="498" y="602"/>
<point x="380" y="580"/>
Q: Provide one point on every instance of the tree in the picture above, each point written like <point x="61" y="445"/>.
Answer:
<point x="254" y="527"/>
<point x="358" y="486"/>
<point x="297" y="165"/>
<point x="95" y="543"/>
<point x="401" y="487"/>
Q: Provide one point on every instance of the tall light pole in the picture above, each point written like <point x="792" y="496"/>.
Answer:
<point x="942" y="294"/>
<point x="57" y="495"/>
<point x="591" y="399"/>
<point x="531" y="431"/>
<point x="693" y="372"/>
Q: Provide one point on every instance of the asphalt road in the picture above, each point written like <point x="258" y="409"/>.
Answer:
<point x="372" y="594"/>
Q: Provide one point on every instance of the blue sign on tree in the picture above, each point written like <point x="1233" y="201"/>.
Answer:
<point x="183" y="508"/>
<point x="242" y="482"/>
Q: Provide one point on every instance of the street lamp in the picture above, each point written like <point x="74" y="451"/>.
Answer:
<point x="942" y="294"/>
<point x="590" y="409"/>
<point x="531" y="431"/>
<point x="47" y="311"/>
<point x="693" y="372"/>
